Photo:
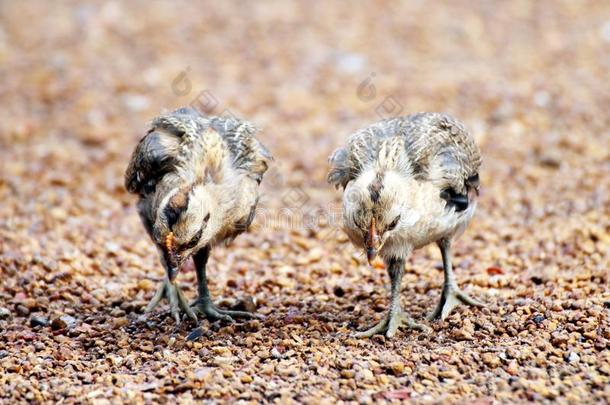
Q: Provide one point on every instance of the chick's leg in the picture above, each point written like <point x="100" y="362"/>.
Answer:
<point x="451" y="296"/>
<point x="204" y="305"/>
<point x="177" y="301"/>
<point x="395" y="317"/>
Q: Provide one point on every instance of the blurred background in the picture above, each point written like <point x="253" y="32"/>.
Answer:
<point x="80" y="82"/>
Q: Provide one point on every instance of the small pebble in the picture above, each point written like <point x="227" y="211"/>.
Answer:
<point x="4" y="313"/>
<point x="194" y="334"/>
<point x="573" y="357"/>
<point x="22" y="310"/>
<point x="38" y="321"/>
<point x="63" y="322"/>
<point x="246" y="304"/>
<point x="538" y="319"/>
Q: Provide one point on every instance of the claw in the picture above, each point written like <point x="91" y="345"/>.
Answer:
<point x="185" y="305"/>
<point x="451" y="297"/>
<point x="177" y="301"/>
<point x="156" y="298"/>
<point x="379" y="328"/>
<point x="390" y="324"/>
<point x="213" y="313"/>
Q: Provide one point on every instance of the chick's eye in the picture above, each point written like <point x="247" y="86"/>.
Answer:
<point x="394" y="223"/>
<point x="171" y="215"/>
<point x="193" y="242"/>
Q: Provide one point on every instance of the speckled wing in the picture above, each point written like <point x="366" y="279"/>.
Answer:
<point x="361" y="151"/>
<point x="187" y="140"/>
<point x="440" y="148"/>
<point x="247" y="152"/>
<point x="433" y="147"/>
<point x="154" y="156"/>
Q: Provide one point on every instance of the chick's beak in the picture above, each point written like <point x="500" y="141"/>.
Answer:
<point x="371" y="242"/>
<point x="171" y="257"/>
<point x="371" y="253"/>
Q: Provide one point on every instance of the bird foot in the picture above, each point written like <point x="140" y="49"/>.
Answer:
<point x="177" y="301"/>
<point x="207" y="308"/>
<point x="451" y="298"/>
<point x="390" y="324"/>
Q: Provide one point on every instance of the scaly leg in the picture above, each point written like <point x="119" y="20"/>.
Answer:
<point x="395" y="317"/>
<point x="176" y="298"/>
<point x="204" y="305"/>
<point x="451" y="296"/>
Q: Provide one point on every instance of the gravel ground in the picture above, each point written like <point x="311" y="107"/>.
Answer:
<point x="78" y="86"/>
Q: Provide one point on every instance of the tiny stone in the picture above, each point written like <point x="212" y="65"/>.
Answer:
<point x="145" y="285"/>
<point x="338" y="291"/>
<point x="559" y="338"/>
<point x="4" y="313"/>
<point x="38" y="321"/>
<point x="119" y="322"/>
<point x="194" y="335"/>
<point x="573" y="357"/>
<point x="448" y="374"/>
<point x="513" y="368"/>
<point x="30" y="303"/>
<point x="275" y="353"/>
<point x="365" y="375"/>
<point x="397" y="367"/>
<point x="263" y="354"/>
<point x="112" y="247"/>
<point x="58" y="324"/>
<point x="70" y="321"/>
<point x="490" y="359"/>
<point x="463" y="334"/>
<point x="538" y="319"/>
<point x="22" y="310"/>
<point x="247" y="304"/>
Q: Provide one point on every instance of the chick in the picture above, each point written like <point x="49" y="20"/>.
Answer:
<point x="408" y="182"/>
<point x="197" y="179"/>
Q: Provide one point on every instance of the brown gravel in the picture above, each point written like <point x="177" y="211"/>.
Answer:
<point x="78" y="84"/>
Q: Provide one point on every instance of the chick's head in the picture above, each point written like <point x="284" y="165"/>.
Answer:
<point x="373" y="209"/>
<point x="181" y="223"/>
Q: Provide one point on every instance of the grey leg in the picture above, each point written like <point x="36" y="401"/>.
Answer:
<point x="204" y="305"/>
<point x="395" y="317"/>
<point x="451" y="296"/>
<point x="177" y="301"/>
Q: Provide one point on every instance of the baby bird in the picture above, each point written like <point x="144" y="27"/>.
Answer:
<point x="408" y="182"/>
<point x="197" y="179"/>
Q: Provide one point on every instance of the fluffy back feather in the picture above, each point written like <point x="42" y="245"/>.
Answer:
<point x="429" y="146"/>
<point x="186" y="143"/>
